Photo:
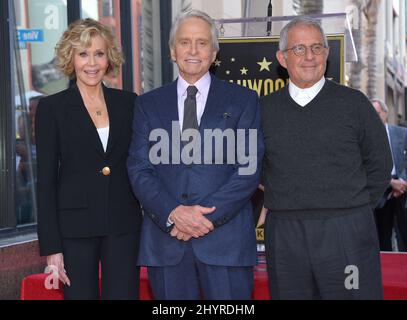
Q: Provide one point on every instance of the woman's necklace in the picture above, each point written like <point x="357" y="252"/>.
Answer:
<point x="91" y="99"/>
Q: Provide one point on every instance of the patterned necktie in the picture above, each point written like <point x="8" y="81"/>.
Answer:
<point x="190" y="117"/>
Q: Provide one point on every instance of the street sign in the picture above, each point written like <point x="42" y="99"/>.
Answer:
<point x="30" y="35"/>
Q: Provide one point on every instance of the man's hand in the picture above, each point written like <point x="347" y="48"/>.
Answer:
<point x="190" y="220"/>
<point x="399" y="187"/>
<point x="57" y="260"/>
<point x="180" y="235"/>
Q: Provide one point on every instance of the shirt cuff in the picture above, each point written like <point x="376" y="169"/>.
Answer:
<point x="169" y="221"/>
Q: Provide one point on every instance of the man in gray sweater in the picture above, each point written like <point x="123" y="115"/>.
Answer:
<point x="326" y="165"/>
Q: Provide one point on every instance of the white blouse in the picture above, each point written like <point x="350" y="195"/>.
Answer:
<point x="104" y="136"/>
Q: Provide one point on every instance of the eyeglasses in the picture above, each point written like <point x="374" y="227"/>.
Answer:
<point x="300" y="49"/>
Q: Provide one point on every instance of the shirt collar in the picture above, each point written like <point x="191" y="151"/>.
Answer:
<point x="310" y="92"/>
<point x="202" y="85"/>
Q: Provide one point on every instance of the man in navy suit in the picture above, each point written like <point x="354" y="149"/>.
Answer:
<point x="194" y="164"/>
<point x="391" y="205"/>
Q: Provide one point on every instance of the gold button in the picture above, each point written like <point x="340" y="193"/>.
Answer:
<point x="106" y="171"/>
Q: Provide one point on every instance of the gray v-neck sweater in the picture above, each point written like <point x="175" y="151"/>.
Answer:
<point x="331" y="155"/>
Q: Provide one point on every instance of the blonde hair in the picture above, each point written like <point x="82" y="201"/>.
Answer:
<point x="79" y="35"/>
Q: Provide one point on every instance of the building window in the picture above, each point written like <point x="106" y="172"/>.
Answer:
<point x="108" y="12"/>
<point x="39" y="25"/>
<point x="107" y="8"/>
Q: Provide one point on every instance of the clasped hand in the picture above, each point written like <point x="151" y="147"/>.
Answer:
<point x="190" y="222"/>
<point x="399" y="187"/>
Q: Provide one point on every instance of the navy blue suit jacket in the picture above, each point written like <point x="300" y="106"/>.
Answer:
<point x="162" y="187"/>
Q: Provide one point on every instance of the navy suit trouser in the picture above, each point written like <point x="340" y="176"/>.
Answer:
<point x="192" y="279"/>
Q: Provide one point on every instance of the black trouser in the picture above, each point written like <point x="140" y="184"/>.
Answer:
<point x="323" y="258"/>
<point x="118" y="258"/>
<point x="401" y="225"/>
<point x="385" y="220"/>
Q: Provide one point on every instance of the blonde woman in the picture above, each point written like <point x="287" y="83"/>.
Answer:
<point x="87" y="213"/>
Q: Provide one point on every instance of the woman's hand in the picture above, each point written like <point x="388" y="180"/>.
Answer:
<point x="57" y="261"/>
<point x="262" y="217"/>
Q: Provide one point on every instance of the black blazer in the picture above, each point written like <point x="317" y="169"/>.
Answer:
<point x="75" y="198"/>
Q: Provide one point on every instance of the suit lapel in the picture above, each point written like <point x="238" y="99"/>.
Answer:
<point x="213" y="107"/>
<point x="392" y="136"/>
<point x="395" y="143"/>
<point x="81" y="117"/>
<point x="114" y="119"/>
<point x="167" y="106"/>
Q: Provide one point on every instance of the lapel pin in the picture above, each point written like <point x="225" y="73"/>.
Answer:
<point x="226" y="115"/>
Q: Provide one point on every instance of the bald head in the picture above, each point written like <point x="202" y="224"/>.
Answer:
<point x="381" y="109"/>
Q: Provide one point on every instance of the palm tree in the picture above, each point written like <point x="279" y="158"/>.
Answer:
<point x="370" y="11"/>
<point x="356" y="24"/>
<point x="151" y="50"/>
<point x="303" y="7"/>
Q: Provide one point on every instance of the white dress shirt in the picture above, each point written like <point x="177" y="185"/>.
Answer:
<point x="304" y="96"/>
<point x="393" y="171"/>
<point x="202" y="85"/>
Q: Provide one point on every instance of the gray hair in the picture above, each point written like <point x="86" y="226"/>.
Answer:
<point x="194" y="14"/>
<point x="381" y="103"/>
<point x="304" y="20"/>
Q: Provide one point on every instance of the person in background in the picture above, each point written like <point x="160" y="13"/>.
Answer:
<point x="391" y="206"/>
<point x="87" y="213"/>
<point x="327" y="163"/>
